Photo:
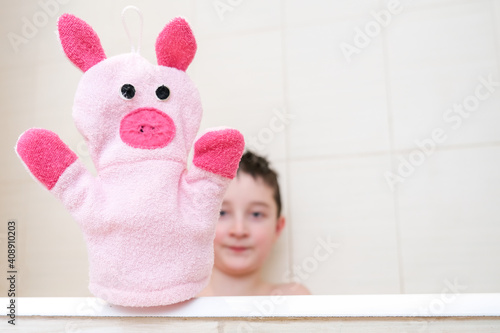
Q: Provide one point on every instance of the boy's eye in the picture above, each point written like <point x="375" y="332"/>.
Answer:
<point x="257" y="214"/>
<point x="222" y="213"/>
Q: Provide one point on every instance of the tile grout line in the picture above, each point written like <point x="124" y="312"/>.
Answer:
<point x="493" y="6"/>
<point x="287" y="138"/>
<point x="489" y="144"/>
<point x="385" y="55"/>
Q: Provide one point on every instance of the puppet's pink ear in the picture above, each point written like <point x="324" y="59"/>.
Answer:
<point x="176" y="46"/>
<point x="80" y="42"/>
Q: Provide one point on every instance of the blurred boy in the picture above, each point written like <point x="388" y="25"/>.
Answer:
<point x="250" y="223"/>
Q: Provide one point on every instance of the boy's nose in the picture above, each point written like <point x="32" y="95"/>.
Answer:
<point x="239" y="228"/>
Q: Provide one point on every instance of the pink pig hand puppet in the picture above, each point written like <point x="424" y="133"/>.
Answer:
<point x="148" y="222"/>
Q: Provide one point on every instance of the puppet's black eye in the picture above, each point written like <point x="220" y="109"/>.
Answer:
<point x="162" y="92"/>
<point x="128" y="91"/>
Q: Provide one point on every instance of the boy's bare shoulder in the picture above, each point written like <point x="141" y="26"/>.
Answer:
<point x="290" y="289"/>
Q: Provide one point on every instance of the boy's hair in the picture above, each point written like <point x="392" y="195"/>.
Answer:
<point x="258" y="166"/>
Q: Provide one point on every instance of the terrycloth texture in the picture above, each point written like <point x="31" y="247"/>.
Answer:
<point x="79" y="41"/>
<point x="148" y="222"/>
<point x="177" y="52"/>
<point x="209" y="149"/>
<point x="45" y="155"/>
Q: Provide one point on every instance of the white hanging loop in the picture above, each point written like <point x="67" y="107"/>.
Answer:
<point x="128" y="32"/>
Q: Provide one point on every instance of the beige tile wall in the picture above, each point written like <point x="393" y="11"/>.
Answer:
<point x="349" y="123"/>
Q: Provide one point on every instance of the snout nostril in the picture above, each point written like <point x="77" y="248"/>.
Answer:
<point x="143" y="128"/>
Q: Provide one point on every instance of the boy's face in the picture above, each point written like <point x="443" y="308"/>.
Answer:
<point x="247" y="227"/>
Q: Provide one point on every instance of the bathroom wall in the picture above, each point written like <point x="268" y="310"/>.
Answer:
<point x="381" y="117"/>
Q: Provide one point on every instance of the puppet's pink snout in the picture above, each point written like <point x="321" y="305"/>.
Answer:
<point x="147" y="128"/>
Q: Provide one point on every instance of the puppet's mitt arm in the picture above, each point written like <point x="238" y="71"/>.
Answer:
<point x="219" y="151"/>
<point x="55" y="165"/>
